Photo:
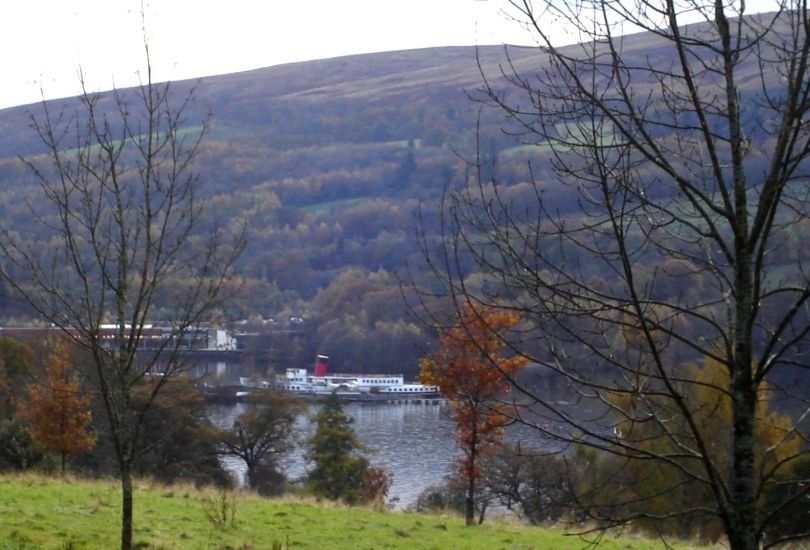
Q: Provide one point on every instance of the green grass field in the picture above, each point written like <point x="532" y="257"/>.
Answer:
<point x="40" y="512"/>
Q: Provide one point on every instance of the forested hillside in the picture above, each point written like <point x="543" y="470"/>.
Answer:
<point x="328" y="162"/>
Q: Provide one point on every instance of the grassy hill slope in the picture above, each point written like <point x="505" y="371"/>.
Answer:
<point x="39" y="512"/>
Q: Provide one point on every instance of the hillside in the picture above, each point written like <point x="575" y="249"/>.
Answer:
<point x="37" y="512"/>
<point x="328" y="162"/>
<point x="315" y="143"/>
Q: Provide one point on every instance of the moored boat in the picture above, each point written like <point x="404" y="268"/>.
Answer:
<point x="360" y="387"/>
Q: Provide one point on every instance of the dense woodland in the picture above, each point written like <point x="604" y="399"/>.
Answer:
<point x="327" y="162"/>
<point x="335" y="166"/>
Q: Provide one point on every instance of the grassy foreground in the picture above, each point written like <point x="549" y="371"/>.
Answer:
<point x="40" y="512"/>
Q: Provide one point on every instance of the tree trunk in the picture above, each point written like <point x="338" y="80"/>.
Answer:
<point x="250" y="475"/>
<point x="469" y="505"/>
<point x="743" y="529"/>
<point x="126" y="506"/>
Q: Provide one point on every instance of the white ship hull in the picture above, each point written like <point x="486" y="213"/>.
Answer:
<point x="358" y="387"/>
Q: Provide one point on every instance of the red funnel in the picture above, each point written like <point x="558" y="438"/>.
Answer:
<point x="320" y="365"/>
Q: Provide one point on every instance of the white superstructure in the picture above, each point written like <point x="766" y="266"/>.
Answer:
<point x="296" y="380"/>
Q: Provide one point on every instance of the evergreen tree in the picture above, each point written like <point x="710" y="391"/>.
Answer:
<point x="338" y="471"/>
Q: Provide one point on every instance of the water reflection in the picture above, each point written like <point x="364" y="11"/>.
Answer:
<point x="414" y="442"/>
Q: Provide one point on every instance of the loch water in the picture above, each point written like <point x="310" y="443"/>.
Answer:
<point x="415" y="442"/>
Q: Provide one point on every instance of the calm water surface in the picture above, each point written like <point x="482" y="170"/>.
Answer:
<point x="414" y="442"/>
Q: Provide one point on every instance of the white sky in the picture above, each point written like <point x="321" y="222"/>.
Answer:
<point x="44" y="42"/>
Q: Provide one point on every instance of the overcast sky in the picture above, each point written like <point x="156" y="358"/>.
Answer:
<point x="44" y="42"/>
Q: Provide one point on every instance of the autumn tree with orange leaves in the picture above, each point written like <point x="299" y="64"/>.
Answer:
<point x="57" y="412"/>
<point x="471" y="373"/>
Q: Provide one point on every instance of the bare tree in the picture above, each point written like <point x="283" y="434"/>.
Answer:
<point x="669" y="295"/>
<point x="261" y="436"/>
<point x="122" y="223"/>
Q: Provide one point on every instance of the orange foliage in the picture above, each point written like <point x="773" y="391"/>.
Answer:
<point x="376" y="484"/>
<point x="469" y="370"/>
<point x="57" y="413"/>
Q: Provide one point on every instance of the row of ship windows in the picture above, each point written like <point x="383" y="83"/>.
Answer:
<point x="394" y="390"/>
<point x="363" y="381"/>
